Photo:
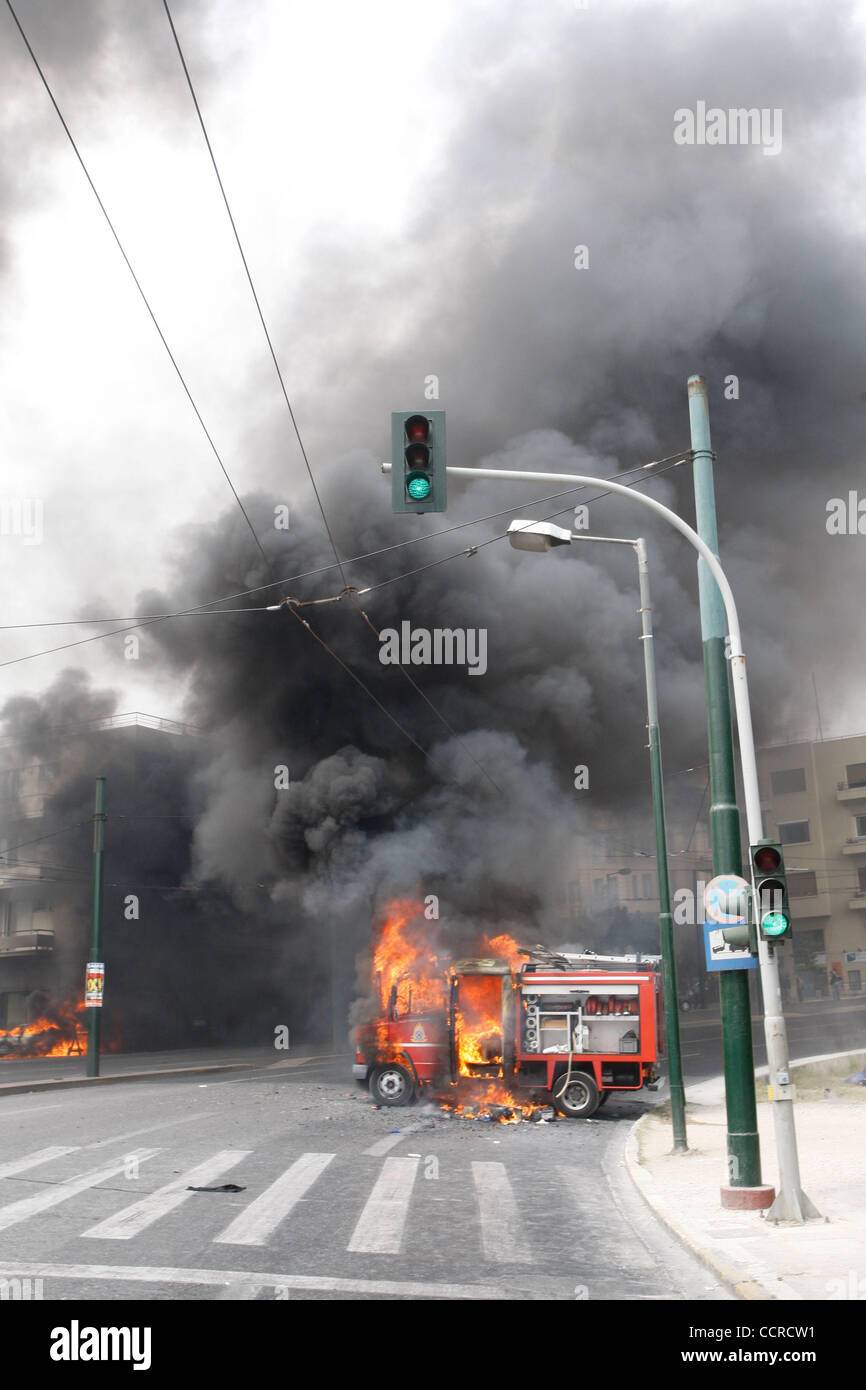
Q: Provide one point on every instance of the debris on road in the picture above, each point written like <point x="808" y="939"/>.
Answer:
<point x="226" y="1187"/>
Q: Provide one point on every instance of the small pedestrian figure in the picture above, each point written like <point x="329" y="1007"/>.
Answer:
<point x="836" y="985"/>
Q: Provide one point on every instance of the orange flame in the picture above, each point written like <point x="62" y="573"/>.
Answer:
<point x="404" y="959"/>
<point x="55" y="1034"/>
<point x="408" y="970"/>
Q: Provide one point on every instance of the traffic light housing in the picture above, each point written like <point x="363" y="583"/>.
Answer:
<point x="418" y="477"/>
<point x="771" y="890"/>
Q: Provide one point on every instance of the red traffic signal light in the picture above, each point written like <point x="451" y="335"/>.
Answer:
<point x="767" y="859"/>
<point x="417" y="429"/>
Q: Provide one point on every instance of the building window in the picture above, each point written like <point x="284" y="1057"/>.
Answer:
<point x="789" y="779"/>
<point x="796" y="832"/>
<point x="860" y="825"/>
<point x="854" y="981"/>
<point x="802" y="883"/>
<point x="647" y="885"/>
<point x="861" y="879"/>
<point x="855" y="774"/>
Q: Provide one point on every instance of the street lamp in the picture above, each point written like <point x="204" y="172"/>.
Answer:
<point x="541" y="536"/>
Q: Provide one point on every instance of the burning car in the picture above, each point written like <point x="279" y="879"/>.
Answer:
<point x="519" y="1029"/>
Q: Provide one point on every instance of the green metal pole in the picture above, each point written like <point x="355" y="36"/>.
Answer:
<point x="93" y="1014"/>
<point x="744" y="1154"/>
<point x="666" y="928"/>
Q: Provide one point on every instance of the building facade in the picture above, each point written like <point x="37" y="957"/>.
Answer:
<point x="813" y="798"/>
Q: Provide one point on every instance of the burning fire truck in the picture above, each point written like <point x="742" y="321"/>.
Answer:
<point x="518" y="1027"/>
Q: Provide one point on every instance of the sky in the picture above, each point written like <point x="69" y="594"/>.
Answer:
<point x="410" y="184"/>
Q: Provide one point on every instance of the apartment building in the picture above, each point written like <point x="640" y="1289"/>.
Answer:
<point x="813" y="797"/>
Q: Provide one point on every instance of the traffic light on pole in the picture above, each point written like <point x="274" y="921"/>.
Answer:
<point x="771" y="890"/>
<point x="418" y="477"/>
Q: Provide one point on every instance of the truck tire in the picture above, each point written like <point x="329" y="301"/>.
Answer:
<point x="392" y="1084"/>
<point x="579" y="1098"/>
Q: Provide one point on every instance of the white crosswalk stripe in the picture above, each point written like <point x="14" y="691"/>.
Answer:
<point x="262" y="1216"/>
<point x="394" y="1207"/>
<point x="20" y="1165"/>
<point x="132" y="1220"/>
<point x="380" y="1226"/>
<point x="501" y="1228"/>
<point x="15" y="1212"/>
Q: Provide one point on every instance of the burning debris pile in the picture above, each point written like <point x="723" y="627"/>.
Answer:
<point x="59" y="1031"/>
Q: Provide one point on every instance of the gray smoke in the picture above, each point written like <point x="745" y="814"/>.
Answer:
<point x="714" y="259"/>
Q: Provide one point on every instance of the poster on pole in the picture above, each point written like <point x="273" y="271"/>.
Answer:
<point x="94" y="983"/>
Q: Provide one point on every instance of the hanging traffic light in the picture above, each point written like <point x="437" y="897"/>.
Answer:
<point x="771" y="890"/>
<point x="418" y="474"/>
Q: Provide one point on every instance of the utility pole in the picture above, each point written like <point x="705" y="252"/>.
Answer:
<point x="666" y="926"/>
<point x="744" y="1153"/>
<point x="95" y="1009"/>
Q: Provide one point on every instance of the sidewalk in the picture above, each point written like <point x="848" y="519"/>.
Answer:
<point x="761" y="1260"/>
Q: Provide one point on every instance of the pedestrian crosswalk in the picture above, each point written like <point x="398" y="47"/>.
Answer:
<point x="372" y="1205"/>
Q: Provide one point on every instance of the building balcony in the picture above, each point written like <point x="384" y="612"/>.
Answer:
<point x="12" y="874"/>
<point x="26" y="943"/>
<point x="855" y="844"/>
<point x="846" y="793"/>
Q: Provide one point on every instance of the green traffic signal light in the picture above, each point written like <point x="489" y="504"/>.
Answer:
<point x="418" y="485"/>
<point x="775" y="924"/>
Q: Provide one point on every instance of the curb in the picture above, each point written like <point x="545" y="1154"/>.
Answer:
<point x="60" y="1083"/>
<point x="742" y="1282"/>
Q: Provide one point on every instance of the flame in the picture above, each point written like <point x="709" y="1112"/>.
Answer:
<point x="408" y="970"/>
<point x="404" y="959"/>
<point x="57" y="1033"/>
<point x="479" y="1022"/>
<point x="495" y="1103"/>
<point x="504" y="947"/>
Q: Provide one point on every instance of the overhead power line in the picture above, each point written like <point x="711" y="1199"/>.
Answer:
<point x="204" y="609"/>
<point x="180" y="376"/>
<point x="406" y="675"/>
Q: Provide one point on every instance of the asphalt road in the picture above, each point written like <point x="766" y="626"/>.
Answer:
<point x="813" y="1029"/>
<point x="94" y="1197"/>
<point x="340" y="1199"/>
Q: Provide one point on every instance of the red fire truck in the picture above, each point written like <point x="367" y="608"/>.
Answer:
<point x="561" y="1028"/>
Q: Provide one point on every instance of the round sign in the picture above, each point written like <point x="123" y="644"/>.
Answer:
<point x="726" y="899"/>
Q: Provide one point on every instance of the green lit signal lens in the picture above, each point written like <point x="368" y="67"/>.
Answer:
<point x="418" y="486"/>
<point x="774" y="924"/>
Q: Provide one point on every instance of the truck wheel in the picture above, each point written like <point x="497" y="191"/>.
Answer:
<point x="577" y="1100"/>
<point x="392" y="1085"/>
<point x="605" y="1095"/>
